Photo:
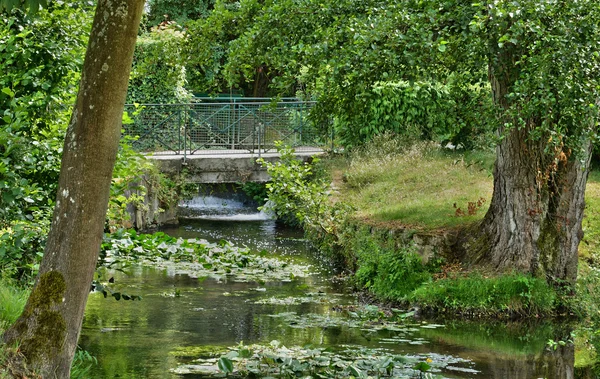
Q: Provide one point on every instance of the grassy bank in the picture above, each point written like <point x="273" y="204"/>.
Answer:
<point x="426" y="190"/>
<point x="401" y="204"/>
<point x="420" y="186"/>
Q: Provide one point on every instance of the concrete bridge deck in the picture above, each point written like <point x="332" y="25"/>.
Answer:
<point x="223" y="166"/>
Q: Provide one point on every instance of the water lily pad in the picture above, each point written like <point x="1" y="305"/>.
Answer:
<point x="199" y="258"/>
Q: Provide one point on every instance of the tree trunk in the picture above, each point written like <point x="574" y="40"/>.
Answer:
<point x="48" y="329"/>
<point x="261" y="82"/>
<point x="533" y="224"/>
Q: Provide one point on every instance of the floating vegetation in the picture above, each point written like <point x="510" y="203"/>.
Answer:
<point x="278" y="361"/>
<point x="368" y="318"/>
<point x="310" y="297"/>
<point x="198" y="258"/>
<point x="314" y="320"/>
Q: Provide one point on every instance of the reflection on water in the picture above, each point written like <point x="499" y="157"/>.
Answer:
<point x="141" y="339"/>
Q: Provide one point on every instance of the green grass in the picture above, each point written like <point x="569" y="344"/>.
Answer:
<point x="514" y="294"/>
<point x="12" y="302"/>
<point x="590" y="244"/>
<point x="417" y="185"/>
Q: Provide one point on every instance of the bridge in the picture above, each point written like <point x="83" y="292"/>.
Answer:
<point x="218" y="140"/>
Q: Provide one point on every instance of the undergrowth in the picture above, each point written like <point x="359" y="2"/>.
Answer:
<point x="393" y="271"/>
<point x="12" y="302"/>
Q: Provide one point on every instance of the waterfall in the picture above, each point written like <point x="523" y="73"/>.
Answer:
<point x="221" y="208"/>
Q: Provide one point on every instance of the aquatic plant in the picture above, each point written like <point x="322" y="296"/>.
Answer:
<point x="278" y="361"/>
<point x="198" y="258"/>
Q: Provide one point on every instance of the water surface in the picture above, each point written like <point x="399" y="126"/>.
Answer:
<point x="145" y="339"/>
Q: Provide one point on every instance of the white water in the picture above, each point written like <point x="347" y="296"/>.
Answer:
<point x="218" y="208"/>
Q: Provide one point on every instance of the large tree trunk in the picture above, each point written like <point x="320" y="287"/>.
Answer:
<point x="48" y="329"/>
<point x="533" y="224"/>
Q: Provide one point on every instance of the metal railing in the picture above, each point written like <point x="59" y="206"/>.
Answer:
<point x="223" y="126"/>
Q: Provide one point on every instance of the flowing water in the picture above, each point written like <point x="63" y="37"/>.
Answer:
<point x="180" y="315"/>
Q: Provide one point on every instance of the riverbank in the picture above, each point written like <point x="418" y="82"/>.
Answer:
<point x="393" y="217"/>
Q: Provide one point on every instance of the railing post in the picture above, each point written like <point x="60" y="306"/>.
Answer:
<point x="178" y="132"/>
<point x="332" y="136"/>
<point x="232" y="125"/>
<point x="259" y="133"/>
<point x="301" y="121"/>
<point x="182" y="110"/>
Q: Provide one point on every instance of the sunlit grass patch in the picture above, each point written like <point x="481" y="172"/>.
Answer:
<point x="590" y="244"/>
<point x="12" y="302"/>
<point x="420" y="184"/>
<point x="475" y="294"/>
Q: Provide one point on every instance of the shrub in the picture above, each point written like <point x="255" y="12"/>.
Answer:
<point x="451" y="112"/>
<point x="158" y="72"/>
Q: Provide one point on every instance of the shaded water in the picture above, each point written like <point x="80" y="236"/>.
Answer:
<point x="145" y="339"/>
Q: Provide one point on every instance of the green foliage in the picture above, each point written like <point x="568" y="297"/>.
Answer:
<point x="414" y="66"/>
<point x="136" y="181"/>
<point x="128" y="184"/>
<point x="452" y="112"/>
<point x="173" y="10"/>
<point x="474" y="294"/>
<point x="158" y="73"/>
<point x="371" y="65"/>
<point x="552" y="78"/>
<point x="208" y="43"/>
<point x="388" y="272"/>
<point x="83" y="364"/>
<point x="585" y="303"/>
<point x="256" y="191"/>
<point x="298" y="196"/>
<point x="40" y="59"/>
<point x="278" y="361"/>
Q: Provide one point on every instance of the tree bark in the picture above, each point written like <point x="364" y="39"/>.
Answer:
<point x="48" y="329"/>
<point x="533" y="224"/>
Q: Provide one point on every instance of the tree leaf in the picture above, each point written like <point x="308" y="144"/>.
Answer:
<point x="8" y="91"/>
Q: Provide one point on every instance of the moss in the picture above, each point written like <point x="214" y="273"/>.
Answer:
<point x="549" y="247"/>
<point x="41" y="329"/>
<point x="47" y="337"/>
<point x="472" y="245"/>
<point x="49" y="290"/>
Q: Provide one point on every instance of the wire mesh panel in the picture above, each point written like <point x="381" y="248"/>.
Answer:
<point x="156" y="127"/>
<point x="222" y="126"/>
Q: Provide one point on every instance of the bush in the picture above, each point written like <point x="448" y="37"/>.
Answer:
<point x="299" y="197"/>
<point x="158" y="72"/>
<point x="453" y="112"/>
<point x="391" y="274"/>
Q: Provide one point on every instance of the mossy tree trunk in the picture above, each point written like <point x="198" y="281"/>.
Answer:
<point x="533" y="224"/>
<point x="48" y="329"/>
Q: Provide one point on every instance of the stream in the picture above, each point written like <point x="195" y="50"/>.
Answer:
<point x="181" y="318"/>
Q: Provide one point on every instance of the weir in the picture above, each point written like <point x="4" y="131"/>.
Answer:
<point x="221" y="208"/>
